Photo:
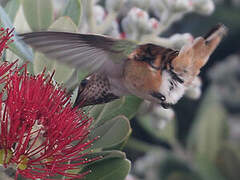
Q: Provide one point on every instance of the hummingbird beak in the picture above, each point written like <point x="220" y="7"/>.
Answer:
<point x="194" y="56"/>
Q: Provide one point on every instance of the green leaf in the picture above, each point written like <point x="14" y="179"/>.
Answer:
<point x="228" y="161"/>
<point x="63" y="24"/>
<point x="95" y="111"/>
<point x="109" y="169"/>
<point x="168" y="133"/>
<point x="173" y="168"/>
<point x="62" y="72"/>
<point x="38" y="13"/>
<point x="96" y="157"/>
<point x="208" y="170"/>
<point x="17" y="47"/>
<point x="130" y="106"/>
<point x="182" y="176"/>
<point x="20" y="25"/>
<point x="105" y="155"/>
<point x="141" y="146"/>
<point x="41" y="62"/>
<point x="207" y="133"/>
<point x="20" y="22"/>
<point x="111" y="133"/>
<point x="127" y="106"/>
<point x="11" y="8"/>
<point x="73" y="10"/>
<point x="108" y="110"/>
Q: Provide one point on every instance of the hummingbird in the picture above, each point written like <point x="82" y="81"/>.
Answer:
<point x="119" y="67"/>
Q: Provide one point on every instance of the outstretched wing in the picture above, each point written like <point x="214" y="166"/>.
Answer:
<point x="84" y="51"/>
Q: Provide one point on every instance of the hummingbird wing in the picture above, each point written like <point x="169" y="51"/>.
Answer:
<point x="85" y="51"/>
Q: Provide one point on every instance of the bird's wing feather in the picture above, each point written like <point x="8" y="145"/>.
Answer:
<point x="85" y="51"/>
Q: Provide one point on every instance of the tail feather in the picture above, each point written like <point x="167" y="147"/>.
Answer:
<point x="219" y="28"/>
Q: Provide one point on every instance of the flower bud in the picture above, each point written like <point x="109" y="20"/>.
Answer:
<point x="137" y="22"/>
<point x="138" y="17"/>
<point x="179" y="40"/>
<point x="153" y="24"/>
<point x="58" y="6"/>
<point x="161" y="117"/>
<point x="179" y="5"/>
<point x="161" y="113"/>
<point x="99" y="14"/>
<point x="194" y="91"/>
<point x="113" y="30"/>
<point x="205" y="7"/>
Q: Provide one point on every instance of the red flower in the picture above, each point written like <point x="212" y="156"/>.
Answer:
<point x="38" y="127"/>
<point x="5" y="36"/>
<point x="40" y="132"/>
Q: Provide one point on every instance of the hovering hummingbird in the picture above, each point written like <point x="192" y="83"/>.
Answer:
<point x="122" y="67"/>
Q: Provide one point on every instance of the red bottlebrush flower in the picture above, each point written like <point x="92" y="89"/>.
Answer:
<point x="4" y="70"/>
<point x="5" y="35"/>
<point x="39" y="127"/>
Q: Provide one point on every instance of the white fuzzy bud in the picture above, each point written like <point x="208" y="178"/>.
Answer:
<point x="204" y="6"/>
<point x="153" y="24"/>
<point x="58" y="6"/>
<point x="139" y="17"/>
<point x="179" y="5"/>
<point x="137" y="23"/>
<point x="194" y="90"/>
<point x="179" y="40"/>
<point x="99" y="14"/>
<point x="161" y="113"/>
<point x="113" y="30"/>
<point x="161" y="117"/>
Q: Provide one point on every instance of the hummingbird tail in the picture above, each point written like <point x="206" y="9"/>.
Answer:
<point x="219" y="28"/>
<point x="194" y="56"/>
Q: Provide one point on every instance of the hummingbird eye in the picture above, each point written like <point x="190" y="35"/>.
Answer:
<point x="153" y="65"/>
<point x="159" y="96"/>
